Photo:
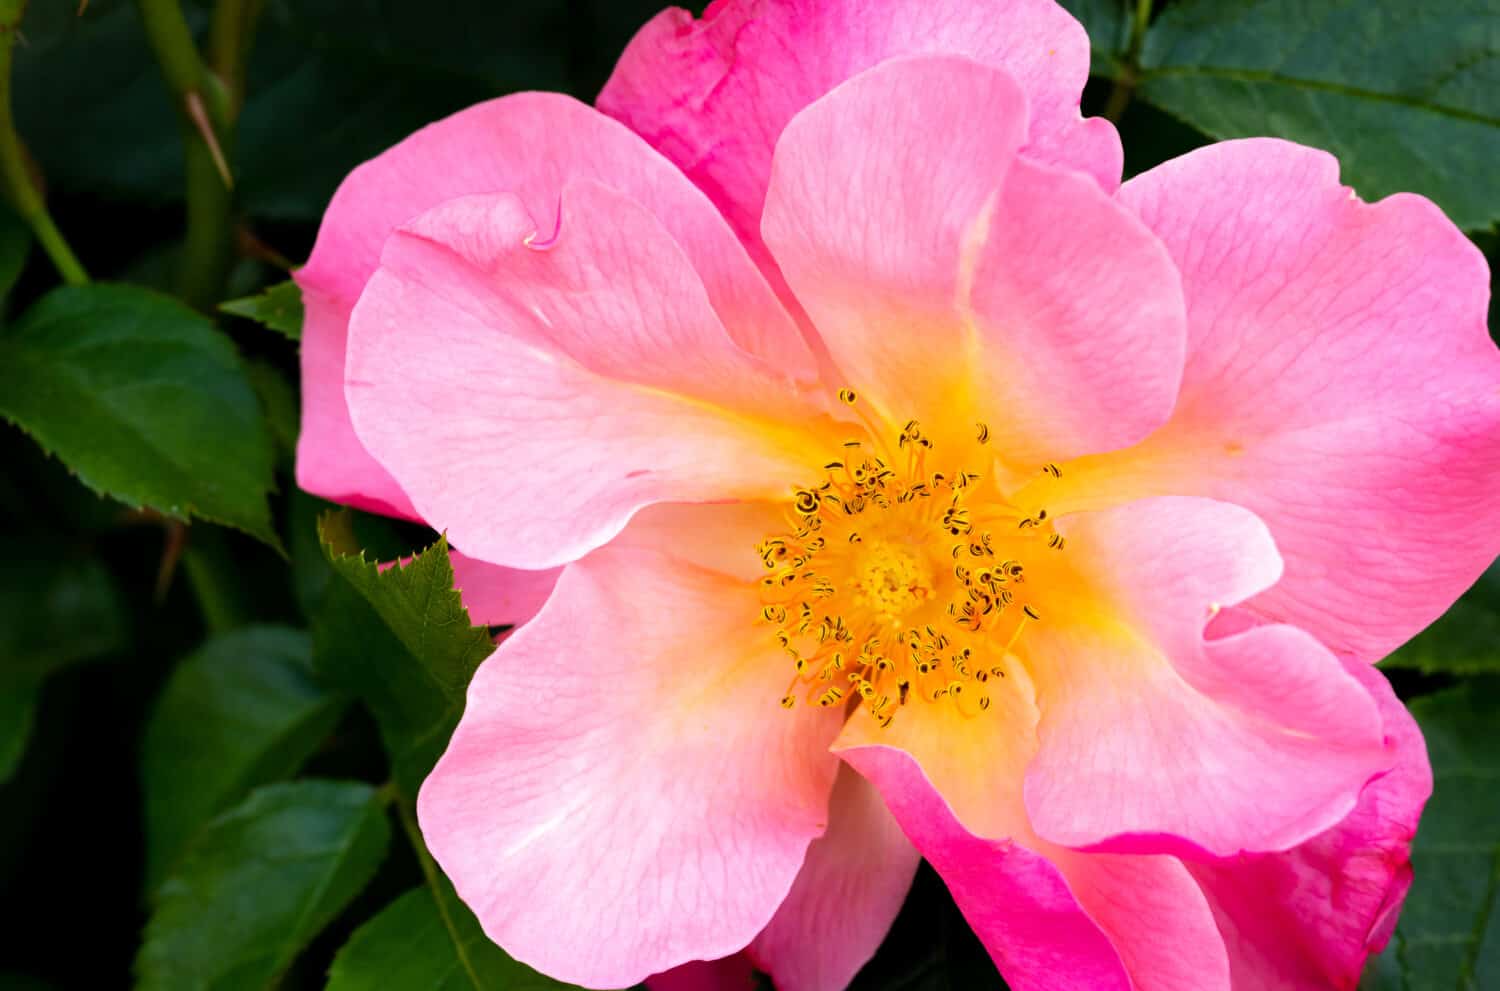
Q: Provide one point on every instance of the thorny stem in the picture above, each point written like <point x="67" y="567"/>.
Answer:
<point x="16" y="177"/>
<point x="208" y="101"/>
<point x="1129" y="74"/>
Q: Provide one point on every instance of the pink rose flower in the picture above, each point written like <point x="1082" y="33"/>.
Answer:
<point x="911" y="488"/>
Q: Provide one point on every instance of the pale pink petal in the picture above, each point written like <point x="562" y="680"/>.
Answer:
<point x="1311" y="917"/>
<point x="714" y="95"/>
<point x="733" y="973"/>
<point x="1341" y="383"/>
<point x="623" y="793"/>
<point x="1018" y="903"/>
<point x="1153" y="739"/>
<point x="531" y="145"/>
<point x="496" y="596"/>
<point x="530" y="398"/>
<point x="845" y="898"/>
<point x="953" y="281"/>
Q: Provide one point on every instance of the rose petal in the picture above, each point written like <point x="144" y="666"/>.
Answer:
<point x="1155" y="740"/>
<point x="1312" y="916"/>
<point x="531" y="145"/>
<point x="1341" y="383"/>
<point x="496" y="596"/>
<point x="623" y="794"/>
<point x="714" y="95"/>
<point x="531" y="399"/>
<point x="1018" y="903"/>
<point x="954" y="282"/>
<point x="846" y="896"/>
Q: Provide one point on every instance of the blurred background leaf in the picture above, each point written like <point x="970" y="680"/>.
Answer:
<point x="259" y="883"/>
<point x="242" y="711"/>
<point x="1448" y="938"/>
<point x="56" y="610"/>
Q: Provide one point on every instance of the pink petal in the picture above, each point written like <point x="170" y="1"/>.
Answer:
<point x="496" y="596"/>
<point x="714" y="95"/>
<point x="1312" y="916"/>
<point x="1155" y="916"/>
<point x="1059" y="918"/>
<point x="1153" y="739"/>
<point x="529" y="144"/>
<point x="1340" y="383"/>
<point x="553" y="390"/>
<point x="623" y="793"/>
<point x="1018" y="903"/>
<point x="954" y="281"/>
<point x="845" y="898"/>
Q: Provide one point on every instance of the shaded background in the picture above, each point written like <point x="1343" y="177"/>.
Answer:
<point x="333" y="82"/>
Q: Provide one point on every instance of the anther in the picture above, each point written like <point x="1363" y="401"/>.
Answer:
<point x="847" y="396"/>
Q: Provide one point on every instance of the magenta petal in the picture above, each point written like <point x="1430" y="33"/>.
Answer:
<point x="732" y="973"/>
<point x="714" y="95"/>
<point x="1311" y="917"/>
<point x="1017" y="902"/>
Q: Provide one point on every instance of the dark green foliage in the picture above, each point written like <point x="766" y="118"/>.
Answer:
<point x="400" y="640"/>
<point x="55" y="610"/>
<point x="418" y="941"/>
<point x="1449" y="935"/>
<point x="242" y="711"/>
<point x="144" y="400"/>
<point x="278" y="307"/>
<point x="259" y="883"/>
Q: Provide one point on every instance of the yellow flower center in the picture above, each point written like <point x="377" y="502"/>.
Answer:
<point x="901" y="576"/>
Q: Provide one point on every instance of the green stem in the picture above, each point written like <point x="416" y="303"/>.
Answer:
<point x="19" y="187"/>
<point x="215" y="580"/>
<point x="1130" y="65"/>
<point x="414" y="834"/>
<point x="208" y="101"/>
<point x="229" y="37"/>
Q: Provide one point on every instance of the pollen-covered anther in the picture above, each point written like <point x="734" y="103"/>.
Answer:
<point x="900" y="576"/>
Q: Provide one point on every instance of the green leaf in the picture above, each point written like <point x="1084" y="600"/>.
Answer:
<point x="144" y="400"/>
<point x="259" y="883"/>
<point x="1402" y="93"/>
<point x="55" y="611"/>
<point x="18" y="701"/>
<point x="278" y="307"/>
<point x="401" y="641"/>
<point x="1108" y="24"/>
<point x="278" y="400"/>
<point x="15" y="245"/>
<point x="242" y="711"/>
<point x="1465" y="640"/>
<point x="417" y="943"/>
<point x="1448" y="936"/>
